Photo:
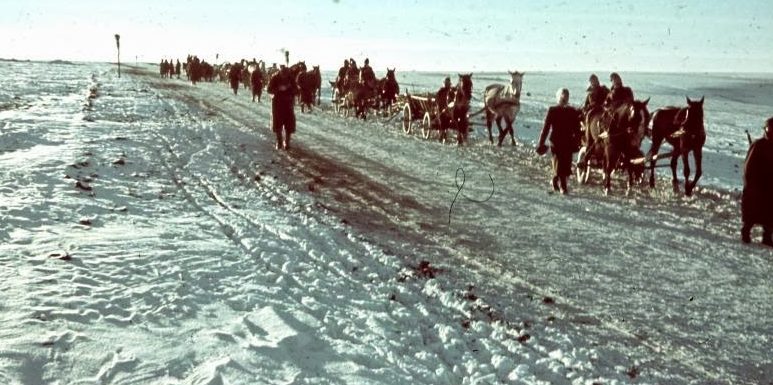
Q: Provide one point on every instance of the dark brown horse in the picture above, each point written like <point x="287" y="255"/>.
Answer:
<point x="308" y="84"/>
<point x="614" y="137"/>
<point x="359" y="97"/>
<point x="388" y="90"/>
<point x="683" y="129"/>
<point x="458" y="110"/>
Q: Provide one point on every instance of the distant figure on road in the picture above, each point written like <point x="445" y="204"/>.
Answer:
<point x="256" y="78"/>
<point x="283" y="88"/>
<point x="757" y="197"/>
<point x="563" y="124"/>
<point x="235" y="76"/>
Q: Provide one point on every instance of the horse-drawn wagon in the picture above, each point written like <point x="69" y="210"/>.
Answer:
<point x="452" y="113"/>
<point x="419" y="108"/>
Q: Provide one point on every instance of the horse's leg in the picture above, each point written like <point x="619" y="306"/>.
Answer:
<point x="654" y="148"/>
<point x="489" y="120"/>
<point x="631" y="173"/>
<point x="674" y="160"/>
<point x="698" y="156"/>
<point x="511" y="127"/>
<point x="501" y="132"/>
<point x="686" y="170"/>
<point x="607" y="176"/>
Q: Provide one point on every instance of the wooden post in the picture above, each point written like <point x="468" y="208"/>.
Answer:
<point x="118" y="47"/>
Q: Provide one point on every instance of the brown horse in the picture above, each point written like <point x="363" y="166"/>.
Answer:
<point x="457" y="111"/>
<point x="388" y="90"/>
<point x="308" y="84"/>
<point x="614" y="137"/>
<point x="683" y="129"/>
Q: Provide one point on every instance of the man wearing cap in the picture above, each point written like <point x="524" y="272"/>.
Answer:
<point x="282" y="86"/>
<point x="441" y="99"/>
<point x="367" y="76"/>
<point x="562" y="122"/>
<point x="757" y="196"/>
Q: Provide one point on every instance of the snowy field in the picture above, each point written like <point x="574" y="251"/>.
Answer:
<point x="150" y="234"/>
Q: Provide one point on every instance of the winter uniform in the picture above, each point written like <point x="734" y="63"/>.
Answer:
<point x="283" y="88"/>
<point x="562" y="124"/>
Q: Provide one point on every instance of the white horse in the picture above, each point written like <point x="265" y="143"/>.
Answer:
<point x="503" y="101"/>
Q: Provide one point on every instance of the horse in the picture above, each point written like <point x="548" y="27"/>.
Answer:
<point x="614" y="137"/>
<point x="308" y="84"/>
<point x="457" y="111"/>
<point x="359" y="97"/>
<point x="683" y="129"/>
<point x="503" y="101"/>
<point x="317" y="76"/>
<point x="388" y="90"/>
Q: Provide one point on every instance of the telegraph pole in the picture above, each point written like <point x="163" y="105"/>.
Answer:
<point x="118" y="47"/>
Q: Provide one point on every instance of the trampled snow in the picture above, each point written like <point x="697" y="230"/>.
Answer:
<point x="150" y="234"/>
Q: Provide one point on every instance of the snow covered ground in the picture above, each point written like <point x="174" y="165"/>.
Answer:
<point x="150" y="234"/>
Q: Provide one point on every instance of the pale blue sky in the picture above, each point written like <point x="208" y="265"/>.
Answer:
<point x="424" y="35"/>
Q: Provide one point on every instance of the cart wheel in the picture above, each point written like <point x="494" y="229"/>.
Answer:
<point x="583" y="171"/>
<point x="407" y="118"/>
<point x="426" y="125"/>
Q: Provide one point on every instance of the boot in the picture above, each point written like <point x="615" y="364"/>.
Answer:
<point x="564" y="189"/>
<point x="767" y="238"/>
<point x="279" y="142"/>
<point x="746" y="236"/>
<point x="286" y="143"/>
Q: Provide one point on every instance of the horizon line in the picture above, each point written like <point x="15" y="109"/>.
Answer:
<point x="487" y="71"/>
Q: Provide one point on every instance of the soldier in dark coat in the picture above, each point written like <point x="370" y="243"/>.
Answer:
<point x="235" y="76"/>
<point x="178" y="68"/>
<point x="619" y="94"/>
<point x="595" y="96"/>
<point x="441" y="98"/>
<point x="367" y="76"/>
<point x="757" y="197"/>
<point x="283" y="88"/>
<point x="562" y="123"/>
<point x="256" y="80"/>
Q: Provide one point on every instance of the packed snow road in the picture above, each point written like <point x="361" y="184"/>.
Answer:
<point x="654" y="273"/>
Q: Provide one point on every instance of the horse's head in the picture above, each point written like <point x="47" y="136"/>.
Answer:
<point x="315" y="69"/>
<point x="516" y="81"/>
<point x="639" y="121"/>
<point x="390" y="74"/>
<point x="694" y="117"/>
<point x="640" y="117"/>
<point x="465" y="84"/>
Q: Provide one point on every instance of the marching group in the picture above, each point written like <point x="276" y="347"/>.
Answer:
<point x="562" y="128"/>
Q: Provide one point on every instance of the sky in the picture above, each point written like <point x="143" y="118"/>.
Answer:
<point x="497" y="35"/>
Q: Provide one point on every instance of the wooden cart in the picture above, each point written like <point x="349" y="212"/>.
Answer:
<point x="419" y="108"/>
